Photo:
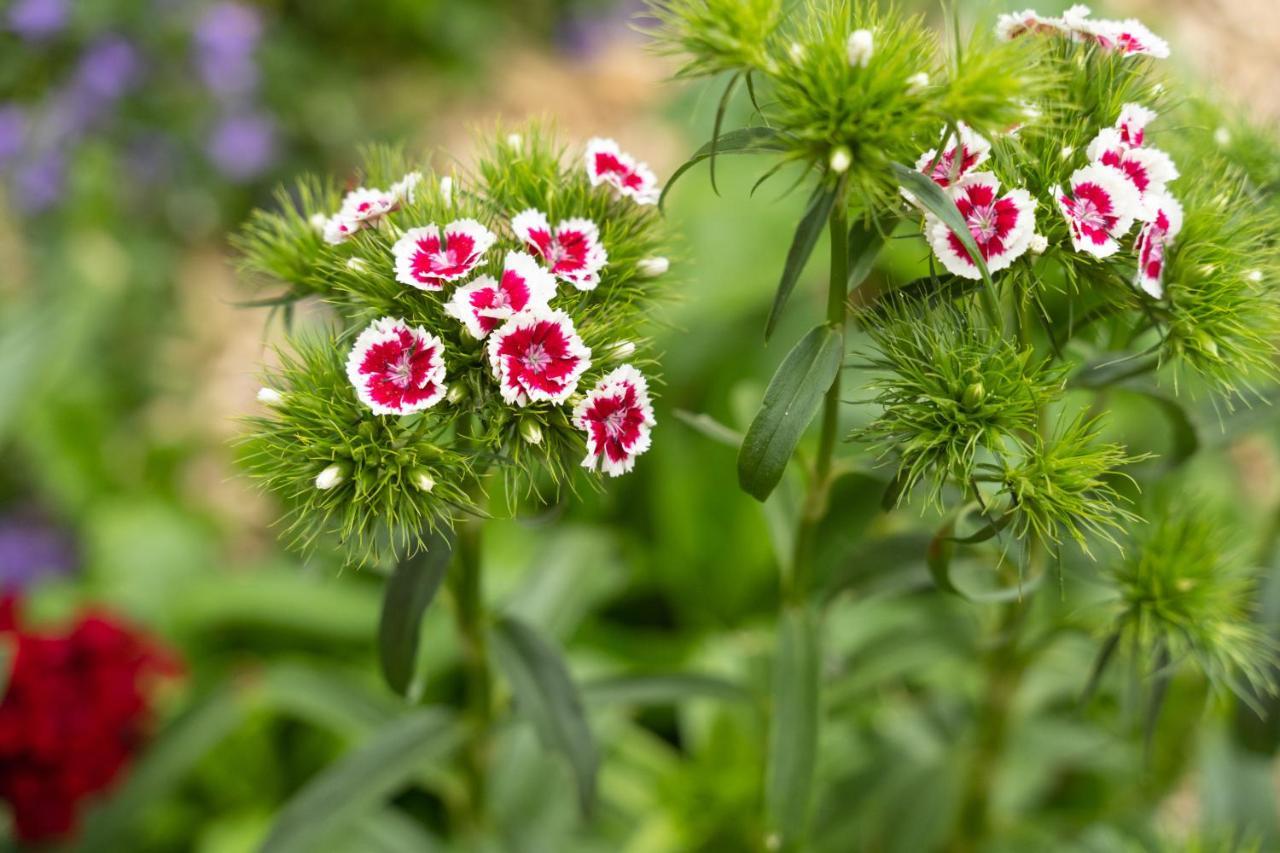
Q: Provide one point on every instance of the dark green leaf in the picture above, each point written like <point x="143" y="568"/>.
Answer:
<point x="793" y="728"/>
<point x="361" y="781"/>
<point x="546" y="694"/>
<point x="806" y="237"/>
<point x="942" y="549"/>
<point x="711" y="428"/>
<point x="865" y="243"/>
<point x="668" y="689"/>
<point x="1100" y="663"/>
<point x="715" y="129"/>
<point x="409" y="592"/>
<point x="937" y="202"/>
<point x="1186" y="440"/>
<point x="893" y="493"/>
<point x="878" y="558"/>
<point x="792" y="398"/>
<point x="748" y="140"/>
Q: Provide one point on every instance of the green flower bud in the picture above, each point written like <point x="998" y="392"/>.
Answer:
<point x="531" y="432"/>
<point x="974" y="395"/>
<point x="422" y="479"/>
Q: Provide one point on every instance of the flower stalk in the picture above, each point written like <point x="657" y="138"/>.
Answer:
<point x="467" y="584"/>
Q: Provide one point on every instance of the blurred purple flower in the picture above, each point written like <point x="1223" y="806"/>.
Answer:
<point x="36" y="20"/>
<point x="243" y="145"/>
<point x="32" y="549"/>
<point x="38" y="183"/>
<point x="226" y="37"/>
<point x="108" y="69"/>
<point x="13" y="132"/>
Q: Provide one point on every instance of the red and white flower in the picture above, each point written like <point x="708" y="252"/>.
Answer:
<point x="537" y="356"/>
<point x="361" y="208"/>
<point x="1133" y="122"/>
<point x="617" y="416"/>
<point x="1130" y="37"/>
<point x="1148" y="169"/>
<point x="959" y="157"/>
<point x="571" y="251"/>
<point x="1100" y="208"/>
<point x="426" y="260"/>
<point x="1153" y="240"/>
<point x="397" y="368"/>
<point x="1001" y="225"/>
<point x="608" y="164"/>
<point x="485" y="303"/>
<point x="1015" y="24"/>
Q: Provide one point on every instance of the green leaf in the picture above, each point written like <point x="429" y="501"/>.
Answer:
<point x="806" y="237"/>
<point x="361" y="781"/>
<point x="715" y="129"/>
<point x="409" y="592"/>
<point x="940" y="205"/>
<point x="793" y="728"/>
<point x="748" y="140"/>
<point x="790" y="402"/>
<point x="1105" y="653"/>
<point x="546" y="694"/>
<point x="878" y="558"/>
<point x="1186" y="440"/>
<point x="664" y="689"/>
<point x="865" y="243"/>
<point x="711" y="428"/>
<point x="942" y="549"/>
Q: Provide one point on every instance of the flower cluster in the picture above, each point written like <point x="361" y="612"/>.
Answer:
<point x="492" y="322"/>
<point x="75" y="710"/>
<point x="1129" y="37"/>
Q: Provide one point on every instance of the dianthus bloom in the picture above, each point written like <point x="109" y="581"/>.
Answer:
<point x="485" y="304"/>
<point x="396" y="368"/>
<point x="1133" y="122"/>
<point x="608" y="164"/>
<point x="361" y="208"/>
<point x="959" y="156"/>
<point x="1148" y="169"/>
<point x="1100" y="208"/>
<point x="572" y="251"/>
<point x="1128" y="37"/>
<point x="426" y="260"/>
<point x="75" y="710"/>
<point x="537" y="356"/>
<point x="617" y="417"/>
<point x="1154" y="239"/>
<point x="1014" y="24"/>
<point x="1001" y="225"/>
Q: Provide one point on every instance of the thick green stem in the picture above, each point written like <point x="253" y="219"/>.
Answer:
<point x="468" y="592"/>
<point x="815" y="501"/>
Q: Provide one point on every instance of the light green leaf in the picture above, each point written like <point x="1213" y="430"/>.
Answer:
<point x="790" y="402"/>
<point x="409" y="592"/>
<point x="793" y="728"/>
<point x="546" y="695"/>
<point x="748" y="140"/>
<point x="710" y="427"/>
<point x="361" y="781"/>
<point x="806" y="237"/>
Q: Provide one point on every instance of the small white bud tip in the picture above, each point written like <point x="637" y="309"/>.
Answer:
<point x="531" y="432"/>
<point x="861" y="46"/>
<point x="622" y="350"/>
<point x="653" y="267"/>
<point x="1222" y="136"/>
<point x="841" y="159"/>
<point x="357" y="264"/>
<point x="330" y="477"/>
<point x="796" y="51"/>
<point x="446" y="190"/>
<point x="1254" y="276"/>
<point x="917" y="83"/>
<point x="456" y="394"/>
<point x="1039" y="243"/>
<point x="270" y="397"/>
<point x="1067" y="151"/>
<point x="423" y="480"/>
<point x="318" y="221"/>
<point x="515" y="141"/>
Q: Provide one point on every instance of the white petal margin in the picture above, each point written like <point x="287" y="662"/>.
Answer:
<point x="460" y="308"/>
<point x="649" y="191"/>
<point x="596" y="257"/>
<point x="541" y="284"/>
<point x="1133" y="122"/>
<point x="404" y="189"/>
<point x="480" y="235"/>
<point x="524" y="320"/>
<point x="388" y="329"/>
<point x="526" y="222"/>
<point x="1016" y="242"/>
<point x="1157" y="235"/>
<point x="404" y="251"/>
<point x="1125" y="200"/>
<point x="613" y="382"/>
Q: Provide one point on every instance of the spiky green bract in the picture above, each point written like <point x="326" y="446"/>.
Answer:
<point x="1184" y="594"/>
<point x="990" y="85"/>
<point x="716" y="35"/>
<point x="535" y="449"/>
<point x="1223" y="308"/>
<point x="951" y="389"/>
<point x="380" y="507"/>
<point x="1063" y="488"/>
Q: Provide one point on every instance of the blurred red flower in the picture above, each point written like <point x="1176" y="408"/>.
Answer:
<point x="75" y="710"/>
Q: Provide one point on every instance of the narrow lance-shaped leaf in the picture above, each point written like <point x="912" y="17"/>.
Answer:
<point x="790" y="402"/>
<point x="546" y="694"/>
<point x="806" y="237"/>
<point x="940" y="205"/>
<point x="710" y="427"/>
<point x="408" y="593"/>
<point x="747" y="140"/>
<point x="361" y="781"/>
<point x="865" y="243"/>
<point x="793" y="728"/>
<point x="715" y="129"/>
<point x="656" y="689"/>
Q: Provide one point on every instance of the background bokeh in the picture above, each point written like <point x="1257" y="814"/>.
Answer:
<point x="136" y="134"/>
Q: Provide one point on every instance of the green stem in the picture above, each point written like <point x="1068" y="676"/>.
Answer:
<point x="814" y="508"/>
<point x="468" y="592"/>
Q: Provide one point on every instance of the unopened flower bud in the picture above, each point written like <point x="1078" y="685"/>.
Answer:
<point x="622" y="350"/>
<point x="653" y="267"/>
<point x="1039" y="244"/>
<point x="270" y="397"/>
<point x="1206" y="344"/>
<point x="515" y="141"/>
<point x="422" y="479"/>
<point x="860" y="46"/>
<point x="1222" y="136"/>
<point x="456" y="394"/>
<point x="318" y="221"/>
<point x="356" y="264"/>
<point x="841" y="159"/>
<point x="446" y="190"/>
<point x="796" y="51"/>
<point x="531" y="432"/>
<point x="331" y="476"/>
<point x="974" y="395"/>
<point x="1254" y="276"/>
<point x="917" y="83"/>
<point x="1067" y="151"/>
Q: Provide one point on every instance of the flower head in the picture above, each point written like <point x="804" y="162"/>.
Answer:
<point x="608" y="164"/>
<point x="1133" y="122"/>
<point x="617" y="416"/>
<point x="571" y="251"/>
<point x="1014" y="24"/>
<point x="485" y="304"/>
<point x="426" y="260"/>
<point x="1154" y="239"/>
<point x="538" y="356"/>
<point x="396" y="368"/>
<point x="959" y="156"/>
<point x="1100" y="208"/>
<point x="1148" y="169"/>
<point x="1001" y="225"/>
<point x="1130" y="37"/>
